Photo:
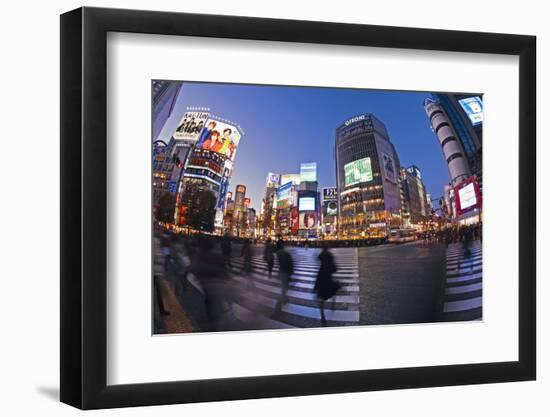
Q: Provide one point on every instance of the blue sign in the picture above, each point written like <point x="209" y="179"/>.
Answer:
<point x="172" y="186"/>
<point x="473" y="107"/>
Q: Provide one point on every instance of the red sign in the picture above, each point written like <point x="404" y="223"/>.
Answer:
<point x="467" y="196"/>
<point x="295" y="221"/>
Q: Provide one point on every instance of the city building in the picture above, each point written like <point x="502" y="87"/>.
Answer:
<point x="268" y="210"/>
<point x="367" y="178"/>
<point x="165" y="94"/>
<point x="418" y="207"/>
<point x="308" y="201"/>
<point x="457" y="121"/>
<point x="465" y="114"/>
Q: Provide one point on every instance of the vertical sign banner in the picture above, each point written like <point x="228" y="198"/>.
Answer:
<point x="389" y="168"/>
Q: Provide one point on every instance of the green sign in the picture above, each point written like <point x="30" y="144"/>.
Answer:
<point x="358" y="171"/>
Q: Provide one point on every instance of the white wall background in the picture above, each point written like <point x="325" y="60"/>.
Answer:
<point x="29" y="218"/>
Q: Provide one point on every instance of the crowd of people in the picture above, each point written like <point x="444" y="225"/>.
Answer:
<point x="205" y="261"/>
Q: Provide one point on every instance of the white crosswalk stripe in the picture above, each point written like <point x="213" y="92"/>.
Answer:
<point x="464" y="285"/>
<point x="256" y="292"/>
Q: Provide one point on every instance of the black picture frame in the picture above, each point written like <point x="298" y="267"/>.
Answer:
<point x="84" y="207"/>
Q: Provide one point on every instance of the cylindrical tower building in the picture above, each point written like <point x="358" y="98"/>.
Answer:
<point x="452" y="150"/>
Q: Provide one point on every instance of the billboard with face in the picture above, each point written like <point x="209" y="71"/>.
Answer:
<point x="389" y="168"/>
<point x="308" y="220"/>
<point x="220" y="137"/>
<point x="473" y="107"/>
<point x="190" y="125"/>
<point x="357" y="171"/>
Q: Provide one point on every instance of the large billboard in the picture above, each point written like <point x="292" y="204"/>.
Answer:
<point x="306" y="204"/>
<point x="330" y="208"/>
<point x="292" y="178"/>
<point x="308" y="220"/>
<point x="220" y="137"/>
<point x="191" y="125"/>
<point x="357" y="171"/>
<point x="284" y="196"/>
<point x="389" y="168"/>
<point x="308" y="172"/>
<point x="467" y="196"/>
<point x="473" y="107"/>
<point x="330" y="194"/>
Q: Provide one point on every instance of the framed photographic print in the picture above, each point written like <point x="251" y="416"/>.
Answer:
<point x="257" y="208"/>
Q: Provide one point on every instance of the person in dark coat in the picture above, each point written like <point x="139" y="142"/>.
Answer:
<point x="246" y="253"/>
<point x="210" y="269"/>
<point x="269" y="257"/>
<point x="325" y="285"/>
<point x="286" y="269"/>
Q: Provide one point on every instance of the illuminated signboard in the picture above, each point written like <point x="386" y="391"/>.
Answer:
<point x="191" y="125"/>
<point x="308" y="172"/>
<point x="473" y="107"/>
<point x="293" y="178"/>
<point x="219" y="136"/>
<point x="467" y="196"/>
<point x="272" y="179"/>
<point x="357" y="171"/>
<point x="330" y="194"/>
<point x="354" y="120"/>
<point x="308" y="220"/>
<point x="306" y="204"/>
<point x="284" y="196"/>
<point x="331" y="208"/>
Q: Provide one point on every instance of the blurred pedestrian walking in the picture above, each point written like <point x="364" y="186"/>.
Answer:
<point x="246" y="254"/>
<point x="210" y="269"/>
<point x="286" y="269"/>
<point x="269" y="256"/>
<point x="325" y="285"/>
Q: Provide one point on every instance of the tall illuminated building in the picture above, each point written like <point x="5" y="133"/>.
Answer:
<point x="367" y="178"/>
<point x="164" y="97"/>
<point x="465" y="115"/>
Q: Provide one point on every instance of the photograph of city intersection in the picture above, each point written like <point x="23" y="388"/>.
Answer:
<point x="278" y="207"/>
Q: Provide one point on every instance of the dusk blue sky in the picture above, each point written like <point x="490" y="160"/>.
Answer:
<point x="284" y="126"/>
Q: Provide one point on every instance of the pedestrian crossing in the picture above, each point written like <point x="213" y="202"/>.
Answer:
<point x="259" y="295"/>
<point x="464" y="283"/>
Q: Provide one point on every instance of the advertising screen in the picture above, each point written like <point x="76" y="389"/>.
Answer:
<point x="331" y="208"/>
<point x="220" y="137"/>
<point x="272" y="179"/>
<point x="308" y="220"/>
<point x="308" y="172"/>
<point x="358" y="171"/>
<point x="473" y="107"/>
<point x="306" y="204"/>
<point x="293" y="178"/>
<point x="467" y="196"/>
<point x="190" y="125"/>
<point x="330" y="194"/>
<point x="284" y="196"/>
<point x="389" y="168"/>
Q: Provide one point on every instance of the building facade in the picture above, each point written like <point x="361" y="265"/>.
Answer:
<point x="367" y="178"/>
<point x="164" y="96"/>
